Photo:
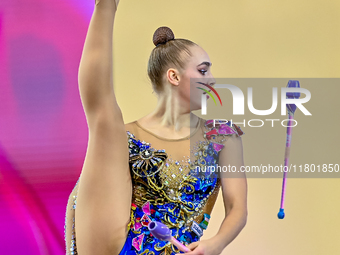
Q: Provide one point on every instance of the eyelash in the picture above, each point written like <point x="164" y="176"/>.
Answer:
<point x="203" y="71"/>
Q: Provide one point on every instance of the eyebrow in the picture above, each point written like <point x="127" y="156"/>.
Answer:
<point x="206" y="63"/>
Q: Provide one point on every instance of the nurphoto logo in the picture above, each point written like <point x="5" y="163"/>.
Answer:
<point x="290" y="98"/>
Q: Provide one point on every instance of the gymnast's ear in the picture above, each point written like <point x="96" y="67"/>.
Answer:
<point x="173" y="76"/>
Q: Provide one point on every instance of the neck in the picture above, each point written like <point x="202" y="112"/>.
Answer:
<point x="170" y="113"/>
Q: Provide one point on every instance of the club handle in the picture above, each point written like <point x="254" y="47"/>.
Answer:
<point x="179" y="245"/>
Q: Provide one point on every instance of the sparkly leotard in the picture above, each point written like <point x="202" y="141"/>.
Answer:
<point x="172" y="184"/>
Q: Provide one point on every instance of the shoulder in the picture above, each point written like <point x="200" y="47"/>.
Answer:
<point x="221" y="127"/>
<point x="130" y="126"/>
<point x="130" y="129"/>
<point x="218" y="131"/>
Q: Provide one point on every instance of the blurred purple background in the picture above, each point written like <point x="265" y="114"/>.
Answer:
<point x="43" y="131"/>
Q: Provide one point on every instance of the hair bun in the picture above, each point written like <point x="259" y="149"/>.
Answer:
<point x="163" y="35"/>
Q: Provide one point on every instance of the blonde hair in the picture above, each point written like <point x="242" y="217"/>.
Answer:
<point x="169" y="52"/>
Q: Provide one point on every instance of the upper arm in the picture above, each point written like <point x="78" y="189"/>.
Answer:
<point x="101" y="107"/>
<point x="234" y="184"/>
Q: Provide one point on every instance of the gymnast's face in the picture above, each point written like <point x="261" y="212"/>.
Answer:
<point x="197" y="70"/>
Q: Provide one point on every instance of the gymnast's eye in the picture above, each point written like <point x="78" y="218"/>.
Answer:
<point x="203" y="71"/>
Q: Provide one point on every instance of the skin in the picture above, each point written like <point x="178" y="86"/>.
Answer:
<point x="172" y="117"/>
<point x="105" y="186"/>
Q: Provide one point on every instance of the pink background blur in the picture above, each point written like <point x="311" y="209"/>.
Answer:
<point x="43" y="132"/>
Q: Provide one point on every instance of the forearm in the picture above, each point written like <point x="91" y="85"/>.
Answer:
<point x="95" y="69"/>
<point x="231" y="226"/>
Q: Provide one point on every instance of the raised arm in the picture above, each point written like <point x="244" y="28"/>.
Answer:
<point x="95" y="70"/>
<point x="105" y="189"/>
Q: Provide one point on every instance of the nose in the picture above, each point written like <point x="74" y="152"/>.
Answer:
<point x="212" y="81"/>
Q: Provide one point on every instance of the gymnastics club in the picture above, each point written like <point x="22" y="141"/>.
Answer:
<point x="291" y="110"/>
<point x="163" y="233"/>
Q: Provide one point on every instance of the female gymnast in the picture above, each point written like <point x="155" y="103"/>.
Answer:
<point x="154" y="168"/>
